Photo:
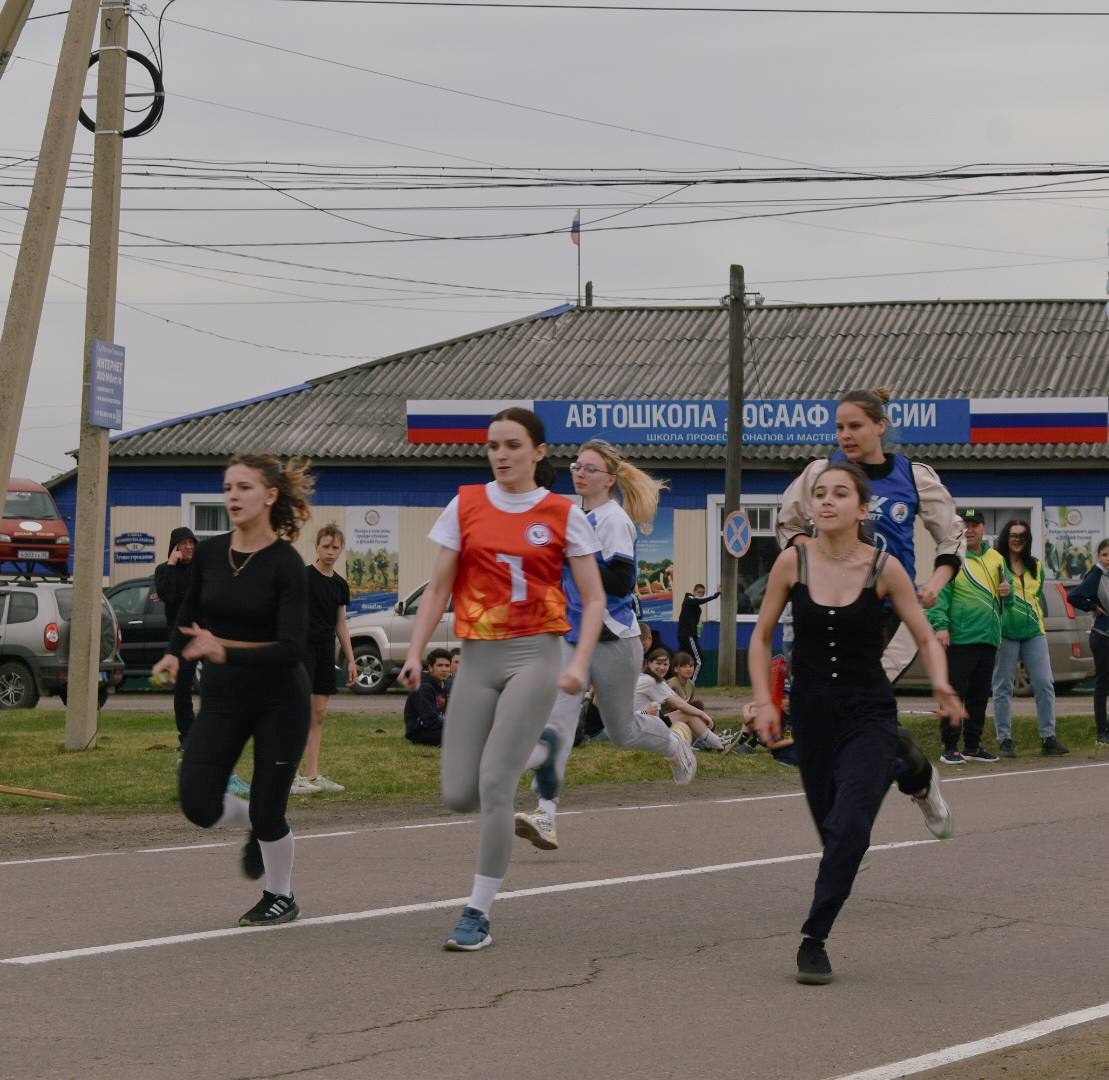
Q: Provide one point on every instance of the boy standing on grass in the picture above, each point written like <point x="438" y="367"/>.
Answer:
<point x="328" y="597"/>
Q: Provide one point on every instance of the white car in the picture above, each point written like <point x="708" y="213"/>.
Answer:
<point x="381" y="639"/>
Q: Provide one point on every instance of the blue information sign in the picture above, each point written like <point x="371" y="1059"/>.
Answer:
<point x="106" y="391"/>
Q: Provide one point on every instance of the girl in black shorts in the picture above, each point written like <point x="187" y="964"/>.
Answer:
<point x="842" y="705"/>
<point x="245" y="617"/>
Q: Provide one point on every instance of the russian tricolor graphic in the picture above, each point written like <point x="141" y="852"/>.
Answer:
<point x="1039" y="420"/>
<point x="454" y="421"/>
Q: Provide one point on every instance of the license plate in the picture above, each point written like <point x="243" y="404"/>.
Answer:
<point x="30" y="554"/>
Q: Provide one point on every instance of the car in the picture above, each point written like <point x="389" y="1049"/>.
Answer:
<point x="1068" y="642"/>
<point x="380" y="641"/>
<point x="32" y="532"/>
<point x="142" y="622"/>
<point x="34" y="642"/>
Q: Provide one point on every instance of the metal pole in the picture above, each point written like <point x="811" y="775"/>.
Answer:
<point x="40" y="229"/>
<point x="733" y="462"/>
<point x="92" y="462"/>
<point x="13" y="16"/>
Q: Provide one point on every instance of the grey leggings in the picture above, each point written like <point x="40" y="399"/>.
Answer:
<point x="498" y="707"/>
<point x="613" y="671"/>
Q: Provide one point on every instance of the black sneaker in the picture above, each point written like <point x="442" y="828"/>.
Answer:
<point x="980" y="755"/>
<point x="1052" y="745"/>
<point x="251" y="858"/>
<point x="1007" y="748"/>
<point x="813" y="967"/>
<point x="951" y="757"/>
<point x="271" y="910"/>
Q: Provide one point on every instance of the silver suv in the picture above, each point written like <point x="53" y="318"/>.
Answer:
<point x="381" y="639"/>
<point x="34" y="642"/>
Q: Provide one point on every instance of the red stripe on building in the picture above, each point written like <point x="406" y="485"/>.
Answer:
<point x="1039" y="435"/>
<point x="474" y="436"/>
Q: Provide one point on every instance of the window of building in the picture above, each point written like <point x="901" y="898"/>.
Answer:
<point x="205" y="515"/>
<point x="754" y="567"/>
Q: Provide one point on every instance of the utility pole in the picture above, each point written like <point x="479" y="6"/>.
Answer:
<point x="40" y="229"/>
<point x="13" y="16"/>
<point x="100" y="321"/>
<point x="733" y="459"/>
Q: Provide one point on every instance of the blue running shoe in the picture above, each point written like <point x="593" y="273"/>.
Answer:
<point x="238" y="786"/>
<point x="546" y="775"/>
<point x="471" y="933"/>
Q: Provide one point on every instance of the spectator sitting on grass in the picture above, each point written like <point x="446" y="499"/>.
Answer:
<point x="652" y="692"/>
<point x="425" y="710"/>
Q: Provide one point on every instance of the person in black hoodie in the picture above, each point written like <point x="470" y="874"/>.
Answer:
<point x="689" y="622"/>
<point x="426" y="708"/>
<point x="171" y="583"/>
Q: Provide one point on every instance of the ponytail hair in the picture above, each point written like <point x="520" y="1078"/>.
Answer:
<point x="294" y="486"/>
<point x="872" y="402"/>
<point x="639" y="490"/>
<point x="545" y="474"/>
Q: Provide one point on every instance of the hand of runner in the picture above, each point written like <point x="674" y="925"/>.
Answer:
<point x="411" y="674"/>
<point x="768" y="722"/>
<point x="203" y="646"/>
<point x="571" y="681"/>
<point x="950" y="706"/>
<point x="166" y="669"/>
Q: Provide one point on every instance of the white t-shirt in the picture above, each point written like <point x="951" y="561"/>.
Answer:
<point x="649" y="692"/>
<point x="580" y="537"/>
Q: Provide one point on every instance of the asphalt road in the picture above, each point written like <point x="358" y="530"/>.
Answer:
<point x="658" y="942"/>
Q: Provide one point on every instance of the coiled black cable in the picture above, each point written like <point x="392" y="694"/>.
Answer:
<point x="157" y="106"/>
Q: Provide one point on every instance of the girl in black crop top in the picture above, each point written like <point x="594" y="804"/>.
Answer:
<point x="844" y="713"/>
<point x="245" y="616"/>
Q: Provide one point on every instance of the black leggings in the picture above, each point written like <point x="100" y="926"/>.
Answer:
<point x="1099" y="646"/>
<point x="270" y="704"/>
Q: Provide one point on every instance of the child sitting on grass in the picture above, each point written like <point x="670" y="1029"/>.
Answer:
<point x="652" y="692"/>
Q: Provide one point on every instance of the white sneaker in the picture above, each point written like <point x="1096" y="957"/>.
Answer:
<point x="303" y="786"/>
<point x="539" y="829"/>
<point x="323" y="784"/>
<point x="937" y="816"/>
<point x="684" y="763"/>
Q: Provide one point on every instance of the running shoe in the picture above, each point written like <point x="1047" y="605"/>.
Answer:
<point x="322" y="783"/>
<point x="238" y="786"/>
<point x="1007" y="748"/>
<point x="684" y="763"/>
<point x="251" y="858"/>
<point x="471" y="933"/>
<point x="546" y="775"/>
<point x="1052" y="745"/>
<point x="1103" y="740"/>
<point x="539" y="829"/>
<point x="271" y="910"/>
<point x="303" y="786"/>
<point x="952" y="757"/>
<point x="813" y="966"/>
<point x="937" y="816"/>
<point x="981" y="755"/>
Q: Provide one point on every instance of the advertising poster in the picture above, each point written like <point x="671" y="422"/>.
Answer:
<point x="373" y="553"/>
<point x="655" y="554"/>
<point x="1071" y="535"/>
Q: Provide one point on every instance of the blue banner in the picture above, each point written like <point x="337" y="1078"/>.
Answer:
<point x="106" y="389"/>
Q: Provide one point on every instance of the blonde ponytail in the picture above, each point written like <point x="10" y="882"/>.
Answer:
<point x="639" y="490"/>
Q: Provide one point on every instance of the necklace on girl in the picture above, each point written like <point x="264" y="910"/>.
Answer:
<point x="237" y="570"/>
<point x="839" y="558"/>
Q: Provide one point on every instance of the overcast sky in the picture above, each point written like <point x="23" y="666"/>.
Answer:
<point x="764" y="92"/>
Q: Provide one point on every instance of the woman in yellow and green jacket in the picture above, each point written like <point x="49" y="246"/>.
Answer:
<point x="1023" y="640"/>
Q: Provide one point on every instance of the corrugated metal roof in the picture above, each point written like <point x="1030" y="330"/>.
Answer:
<point x="943" y="348"/>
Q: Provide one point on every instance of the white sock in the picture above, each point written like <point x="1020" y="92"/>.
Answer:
<point x="712" y="740"/>
<point x="539" y="754"/>
<point x="485" y="889"/>
<point x="236" y="813"/>
<point x="277" y="855"/>
<point x="550" y="808"/>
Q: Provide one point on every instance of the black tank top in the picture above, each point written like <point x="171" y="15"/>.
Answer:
<point x="842" y="646"/>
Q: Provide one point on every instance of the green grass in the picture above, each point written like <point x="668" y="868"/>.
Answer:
<point x="133" y="765"/>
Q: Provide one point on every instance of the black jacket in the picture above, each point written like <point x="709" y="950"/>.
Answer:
<point x="425" y="711"/>
<point x="690" y="615"/>
<point x="171" y="582"/>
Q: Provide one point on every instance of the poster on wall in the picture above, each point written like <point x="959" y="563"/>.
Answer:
<point x="373" y="551"/>
<point x="655" y="555"/>
<point x="1071" y="535"/>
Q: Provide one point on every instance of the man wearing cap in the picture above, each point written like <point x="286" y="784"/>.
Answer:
<point x="967" y="621"/>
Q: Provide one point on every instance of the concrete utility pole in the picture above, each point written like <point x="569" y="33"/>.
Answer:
<point x="40" y="229"/>
<point x="13" y="16"/>
<point x="733" y="458"/>
<point x="100" y="322"/>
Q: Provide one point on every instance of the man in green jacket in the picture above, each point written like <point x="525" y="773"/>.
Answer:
<point x="967" y="621"/>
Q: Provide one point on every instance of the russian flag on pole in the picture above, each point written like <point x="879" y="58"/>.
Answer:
<point x="575" y="230"/>
<point x="1039" y="420"/>
<point x="454" y="421"/>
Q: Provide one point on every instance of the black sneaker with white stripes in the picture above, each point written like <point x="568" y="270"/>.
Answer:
<point x="271" y="910"/>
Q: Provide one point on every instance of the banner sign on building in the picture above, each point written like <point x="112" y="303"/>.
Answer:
<point x="654" y="555"/>
<point x="373" y="555"/>
<point x="106" y="391"/>
<point x="1071" y="535"/>
<point x="789" y="422"/>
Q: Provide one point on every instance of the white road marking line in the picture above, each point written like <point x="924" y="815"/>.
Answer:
<point x="1001" y="1041"/>
<point x="431" y="905"/>
<point x="562" y="813"/>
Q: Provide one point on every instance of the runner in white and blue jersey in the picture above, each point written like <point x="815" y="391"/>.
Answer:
<point x="598" y="472"/>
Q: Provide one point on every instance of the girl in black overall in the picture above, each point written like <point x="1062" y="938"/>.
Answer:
<point x="245" y="616"/>
<point x="843" y="709"/>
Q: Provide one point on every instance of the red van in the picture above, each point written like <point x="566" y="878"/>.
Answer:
<point x="31" y="529"/>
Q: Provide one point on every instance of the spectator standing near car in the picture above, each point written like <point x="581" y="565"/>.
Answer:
<point x="171" y="583"/>
<point x="1023" y="641"/>
<point x="328" y="597"/>
<point x="425" y="708"/>
<point x="967" y="621"/>
<point x="1093" y="595"/>
<point x="689" y="624"/>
